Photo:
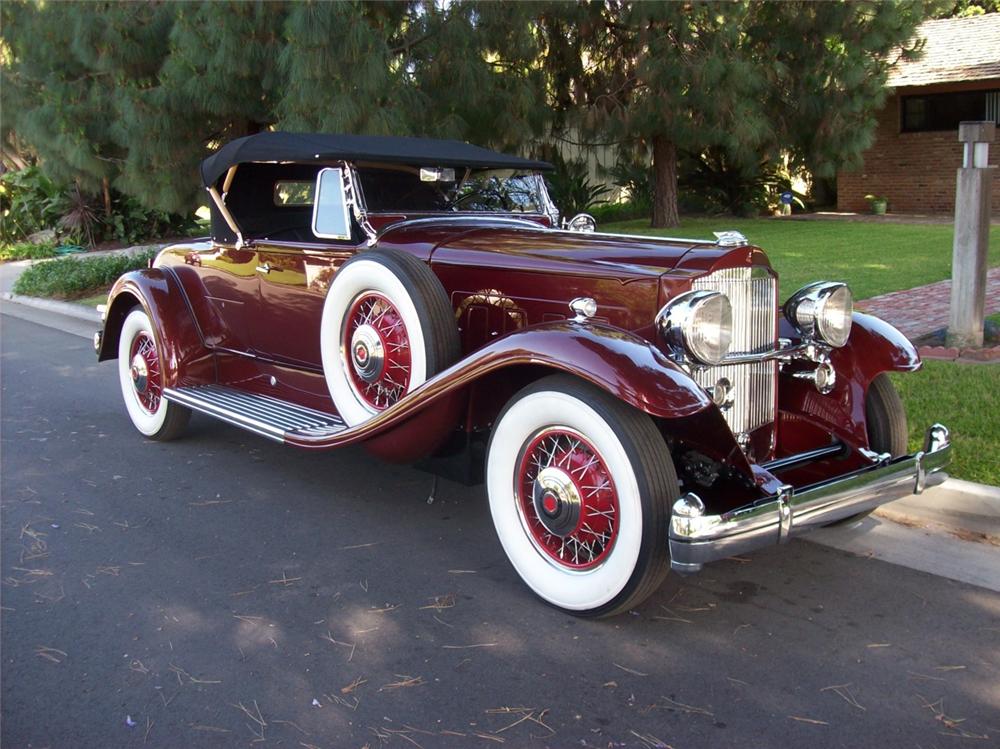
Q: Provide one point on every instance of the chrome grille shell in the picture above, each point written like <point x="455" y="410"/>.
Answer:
<point x="753" y="292"/>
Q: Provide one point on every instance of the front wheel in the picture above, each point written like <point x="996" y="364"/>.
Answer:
<point x="140" y="372"/>
<point x="887" y="429"/>
<point x="580" y="488"/>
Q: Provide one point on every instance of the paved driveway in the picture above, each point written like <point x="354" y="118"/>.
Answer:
<point x="223" y="589"/>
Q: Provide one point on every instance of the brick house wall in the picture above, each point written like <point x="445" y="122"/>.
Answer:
<point x="915" y="171"/>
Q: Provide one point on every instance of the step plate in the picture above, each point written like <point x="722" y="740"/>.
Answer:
<point x="261" y="414"/>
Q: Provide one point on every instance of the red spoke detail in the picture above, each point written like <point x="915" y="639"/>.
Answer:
<point x="589" y="544"/>
<point x="144" y="346"/>
<point x="380" y="314"/>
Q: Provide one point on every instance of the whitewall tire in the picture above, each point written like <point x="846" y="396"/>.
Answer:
<point x="580" y="486"/>
<point x="140" y="372"/>
<point x="387" y="327"/>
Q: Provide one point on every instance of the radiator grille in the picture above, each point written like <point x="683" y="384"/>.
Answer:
<point x="753" y="293"/>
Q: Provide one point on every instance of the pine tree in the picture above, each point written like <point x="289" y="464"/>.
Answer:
<point x="746" y="78"/>
<point x="67" y="64"/>
<point x="218" y="82"/>
<point x="345" y="70"/>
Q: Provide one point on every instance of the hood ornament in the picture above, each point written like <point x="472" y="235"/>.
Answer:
<point x="729" y="238"/>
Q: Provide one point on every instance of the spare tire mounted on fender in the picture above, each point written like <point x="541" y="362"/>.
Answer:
<point x="387" y="327"/>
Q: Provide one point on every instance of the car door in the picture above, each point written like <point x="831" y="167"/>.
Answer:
<point x="226" y="278"/>
<point x="294" y="277"/>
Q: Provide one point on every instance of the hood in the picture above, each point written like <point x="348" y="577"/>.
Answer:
<point x="517" y="244"/>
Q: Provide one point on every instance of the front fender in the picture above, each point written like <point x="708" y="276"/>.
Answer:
<point x="626" y="366"/>
<point x="178" y="339"/>
<point x="874" y="347"/>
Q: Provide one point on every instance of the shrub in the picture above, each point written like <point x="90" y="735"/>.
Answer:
<point x="714" y="182"/>
<point x="70" y="278"/>
<point x="570" y="187"/>
<point x="30" y="202"/>
<point x="26" y="251"/>
<point x="607" y="213"/>
<point x="636" y="178"/>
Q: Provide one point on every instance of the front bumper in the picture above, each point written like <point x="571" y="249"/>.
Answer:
<point x="697" y="538"/>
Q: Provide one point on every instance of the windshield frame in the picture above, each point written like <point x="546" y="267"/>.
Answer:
<point x="545" y="209"/>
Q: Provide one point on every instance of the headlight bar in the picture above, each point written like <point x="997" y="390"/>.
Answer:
<point x="683" y="326"/>
<point x="822" y="311"/>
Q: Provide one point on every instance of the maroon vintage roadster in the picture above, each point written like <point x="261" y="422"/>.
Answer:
<point x="633" y="404"/>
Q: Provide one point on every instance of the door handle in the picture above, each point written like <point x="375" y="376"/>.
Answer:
<point x="265" y="268"/>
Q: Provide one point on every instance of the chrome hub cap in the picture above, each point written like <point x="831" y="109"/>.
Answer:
<point x="375" y="348"/>
<point x="566" y="499"/>
<point x="144" y="371"/>
<point x="367" y="353"/>
<point x="557" y="501"/>
<point x="140" y="374"/>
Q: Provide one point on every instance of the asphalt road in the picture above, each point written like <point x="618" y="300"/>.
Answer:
<point x="222" y="589"/>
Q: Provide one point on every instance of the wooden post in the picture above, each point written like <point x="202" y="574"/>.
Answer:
<point x="972" y="232"/>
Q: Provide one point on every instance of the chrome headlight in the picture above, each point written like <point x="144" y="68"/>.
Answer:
<point x="822" y="310"/>
<point x="700" y="322"/>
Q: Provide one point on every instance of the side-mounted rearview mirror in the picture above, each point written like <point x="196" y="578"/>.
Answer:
<point x="582" y="222"/>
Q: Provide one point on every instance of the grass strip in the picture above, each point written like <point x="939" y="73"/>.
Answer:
<point x="874" y="258"/>
<point x="966" y="399"/>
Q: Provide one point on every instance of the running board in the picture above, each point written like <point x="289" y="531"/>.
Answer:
<point x="260" y="414"/>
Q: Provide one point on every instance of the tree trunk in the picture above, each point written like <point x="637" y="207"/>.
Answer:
<point x="107" y="196"/>
<point x="665" y="183"/>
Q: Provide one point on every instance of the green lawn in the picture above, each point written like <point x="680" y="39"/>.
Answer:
<point x="966" y="399"/>
<point x="872" y="258"/>
<point x="93" y="301"/>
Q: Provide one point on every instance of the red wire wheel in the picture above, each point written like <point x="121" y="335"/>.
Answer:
<point x="377" y="351"/>
<point x="144" y="368"/>
<point x="567" y="499"/>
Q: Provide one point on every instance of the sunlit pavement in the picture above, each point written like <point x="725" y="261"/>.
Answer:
<point x="222" y="588"/>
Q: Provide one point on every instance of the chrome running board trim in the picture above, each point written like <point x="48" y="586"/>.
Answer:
<point x="261" y="414"/>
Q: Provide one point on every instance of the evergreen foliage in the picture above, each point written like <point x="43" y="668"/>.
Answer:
<point x="746" y="78"/>
<point x="134" y="94"/>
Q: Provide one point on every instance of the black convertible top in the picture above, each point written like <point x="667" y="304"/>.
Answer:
<point x="306" y="147"/>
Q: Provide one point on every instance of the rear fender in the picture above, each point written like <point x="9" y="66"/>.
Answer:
<point x="178" y="339"/>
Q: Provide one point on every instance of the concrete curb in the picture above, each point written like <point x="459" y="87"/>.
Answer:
<point x="955" y="503"/>
<point x="69" y="309"/>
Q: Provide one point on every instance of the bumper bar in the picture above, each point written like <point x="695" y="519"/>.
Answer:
<point x="697" y="538"/>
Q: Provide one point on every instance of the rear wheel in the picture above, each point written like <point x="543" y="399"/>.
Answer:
<point x="387" y="327"/>
<point x="140" y="372"/>
<point x="887" y="428"/>
<point x="580" y="487"/>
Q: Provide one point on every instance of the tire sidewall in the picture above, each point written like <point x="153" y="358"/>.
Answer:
<point x="577" y="591"/>
<point x="136" y="323"/>
<point x="356" y="277"/>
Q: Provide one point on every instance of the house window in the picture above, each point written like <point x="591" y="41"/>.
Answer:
<point x="928" y="112"/>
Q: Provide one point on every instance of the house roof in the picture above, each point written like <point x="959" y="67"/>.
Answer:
<point x="956" y="50"/>
<point x="307" y="147"/>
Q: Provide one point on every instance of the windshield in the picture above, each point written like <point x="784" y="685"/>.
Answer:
<point x="400" y="188"/>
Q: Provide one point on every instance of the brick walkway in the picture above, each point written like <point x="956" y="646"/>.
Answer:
<point x="917" y="312"/>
